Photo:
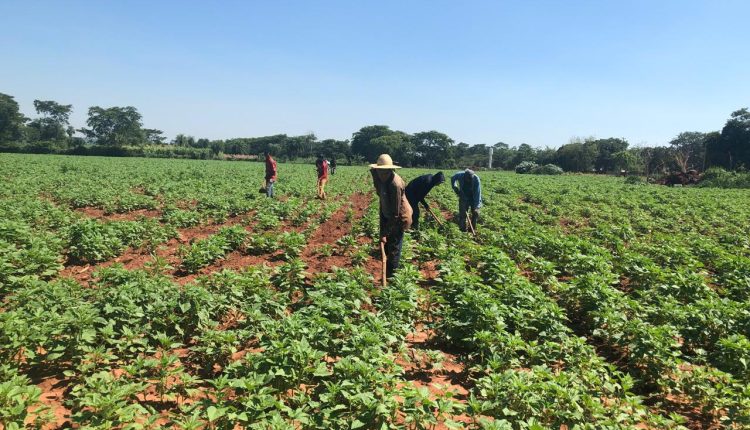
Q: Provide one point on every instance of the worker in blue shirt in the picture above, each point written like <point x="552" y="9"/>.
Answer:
<point x="467" y="186"/>
<point x="417" y="190"/>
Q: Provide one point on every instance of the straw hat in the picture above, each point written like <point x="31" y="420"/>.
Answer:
<point x="384" y="162"/>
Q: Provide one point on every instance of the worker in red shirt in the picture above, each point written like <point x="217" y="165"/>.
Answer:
<point x="270" y="174"/>
<point x="322" y="166"/>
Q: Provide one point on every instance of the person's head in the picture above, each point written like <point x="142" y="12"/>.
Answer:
<point x="438" y="178"/>
<point x="468" y="175"/>
<point x="384" y="167"/>
<point x="384" y="174"/>
<point x="320" y="156"/>
<point x="267" y="154"/>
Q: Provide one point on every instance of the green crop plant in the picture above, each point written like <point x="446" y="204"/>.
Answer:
<point x="292" y="244"/>
<point x="582" y="302"/>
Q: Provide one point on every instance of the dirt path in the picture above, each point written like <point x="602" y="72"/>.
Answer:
<point x="53" y="396"/>
<point x="337" y="226"/>
<point x="428" y="364"/>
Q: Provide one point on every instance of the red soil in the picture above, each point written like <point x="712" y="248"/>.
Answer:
<point x="53" y="393"/>
<point x="451" y="376"/>
<point x="133" y="259"/>
<point x="332" y="230"/>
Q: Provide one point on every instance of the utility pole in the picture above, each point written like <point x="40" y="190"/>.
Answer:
<point x="489" y="165"/>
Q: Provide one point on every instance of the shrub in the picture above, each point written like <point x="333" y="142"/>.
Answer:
<point x="526" y="167"/>
<point x="634" y="180"/>
<point x="547" y="169"/>
<point x="720" y="178"/>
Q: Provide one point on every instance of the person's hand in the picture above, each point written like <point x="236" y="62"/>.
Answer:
<point x="475" y="212"/>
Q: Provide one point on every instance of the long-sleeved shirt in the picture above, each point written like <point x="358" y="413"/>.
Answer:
<point x="270" y="169"/>
<point x="418" y="189"/>
<point x="471" y="194"/>
<point x="394" y="206"/>
<point x="322" y="169"/>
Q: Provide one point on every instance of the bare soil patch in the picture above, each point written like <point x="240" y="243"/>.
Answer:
<point x="337" y="226"/>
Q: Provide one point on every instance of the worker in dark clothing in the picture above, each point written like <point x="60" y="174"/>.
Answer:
<point x="468" y="188"/>
<point x="418" y="189"/>
<point x="333" y="165"/>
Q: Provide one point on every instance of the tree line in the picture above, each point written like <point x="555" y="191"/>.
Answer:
<point x="120" y="131"/>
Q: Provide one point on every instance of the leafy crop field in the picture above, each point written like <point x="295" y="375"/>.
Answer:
<point x="144" y="293"/>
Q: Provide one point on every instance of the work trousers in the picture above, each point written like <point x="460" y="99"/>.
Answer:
<point x="393" y="243"/>
<point x="463" y="207"/>
<point x="414" y="215"/>
<point x="269" y="187"/>
<point x="322" y="187"/>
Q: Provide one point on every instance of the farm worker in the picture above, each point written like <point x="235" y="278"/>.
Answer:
<point x="322" y="166"/>
<point x="395" y="210"/>
<point x="418" y="189"/>
<point x="270" y="174"/>
<point x="467" y="186"/>
<point x="333" y="165"/>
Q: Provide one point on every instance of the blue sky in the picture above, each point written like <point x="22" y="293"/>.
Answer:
<point x="538" y="72"/>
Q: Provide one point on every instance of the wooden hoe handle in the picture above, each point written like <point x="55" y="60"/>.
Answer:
<point x="440" y="223"/>
<point x="471" y="226"/>
<point x="384" y="259"/>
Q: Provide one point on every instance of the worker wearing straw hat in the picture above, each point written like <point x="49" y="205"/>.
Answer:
<point x="395" y="211"/>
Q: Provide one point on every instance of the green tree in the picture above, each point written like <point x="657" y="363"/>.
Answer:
<point x="114" y="126"/>
<point x="546" y="156"/>
<point x="154" y="136"/>
<point x="689" y="148"/>
<point x="656" y="160"/>
<point x="392" y="144"/>
<point x="432" y="148"/>
<point x="504" y="156"/>
<point x="11" y="119"/>
<point x="524" y="152"/>
<point x="628" y="160"/>
<point x="361" y="141"/>
<point x="183" y="140"/>
<point x="606" y="148"/>
<point x="404" y="151"/>
<point x="577" y="156"/>
<point x="732" y="149"/>
<point x="293" y="147"/>
<point x="54" y="122"/>
<point x="217" y="146"/>
<point x="333" y="148"/>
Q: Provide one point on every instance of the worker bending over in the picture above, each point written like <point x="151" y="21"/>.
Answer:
<point x="417" y="190"/>
<point x="467" y="186"/>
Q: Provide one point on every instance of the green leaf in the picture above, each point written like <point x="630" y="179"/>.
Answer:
<point x="213" y="413"/>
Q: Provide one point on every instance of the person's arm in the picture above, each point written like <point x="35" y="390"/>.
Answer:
<point x="455" y="178"/>
<point x="394" y="196"/>
<point x="428" y="187"/>
<point x="477" y="192"/>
